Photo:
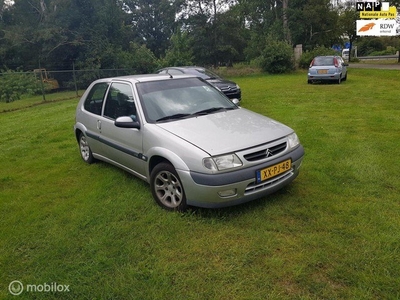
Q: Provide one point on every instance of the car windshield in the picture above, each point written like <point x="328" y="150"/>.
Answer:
<point x="323" y="61"/>
<point x="173" y="99"/>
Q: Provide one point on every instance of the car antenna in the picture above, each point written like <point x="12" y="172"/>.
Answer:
<point x="170" y="76"/>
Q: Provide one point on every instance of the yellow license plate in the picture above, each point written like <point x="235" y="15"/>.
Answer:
<point x="274" y="170"/>
<point x="322" y="71"/>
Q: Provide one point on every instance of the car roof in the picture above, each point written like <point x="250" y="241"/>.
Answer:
<point x="185" y="67"/>
<point x="144" y="77"/>
<point x="188" y="69"/>
<point x="327" y="56"/>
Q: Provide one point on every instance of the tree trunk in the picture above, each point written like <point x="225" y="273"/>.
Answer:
<point x="286" y="30"/>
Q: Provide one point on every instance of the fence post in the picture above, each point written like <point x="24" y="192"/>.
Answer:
<point x="41" y="82"/>
<point x="74" y="76"/>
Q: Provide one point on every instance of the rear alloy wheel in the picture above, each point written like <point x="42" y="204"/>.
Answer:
<point x="167" y="188"/>
<point x="84" y="148"/>
<point x="340" y="79"/>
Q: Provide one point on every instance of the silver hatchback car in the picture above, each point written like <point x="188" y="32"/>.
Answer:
<point x="187" y="139"/>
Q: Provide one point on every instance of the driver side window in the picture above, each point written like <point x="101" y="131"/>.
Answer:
<point x="120" y="102"/>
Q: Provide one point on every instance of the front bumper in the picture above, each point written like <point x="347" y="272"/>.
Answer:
<point x="205" y="190"/>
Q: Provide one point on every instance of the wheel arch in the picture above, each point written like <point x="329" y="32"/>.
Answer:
<point x="79" y="128"/>
<point x="155" y="160"/>
<point x="158" y="155"/>
<point x="78" y="132"/>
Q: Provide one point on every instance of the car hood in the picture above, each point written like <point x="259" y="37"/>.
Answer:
<point x="221" y="82"/>
<point x="227" y="131"/>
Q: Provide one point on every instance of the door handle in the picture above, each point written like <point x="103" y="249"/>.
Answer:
<point x="98" y="124"/>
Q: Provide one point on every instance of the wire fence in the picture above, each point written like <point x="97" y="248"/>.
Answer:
<point x="48" y="82"/>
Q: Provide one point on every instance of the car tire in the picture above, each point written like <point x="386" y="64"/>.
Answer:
<point x="167" y="188"/>
<point x="309" y="81"/>
<point x="86" y="152"/>
<point x="345" y="77"/>
<point x="339" y="80"/>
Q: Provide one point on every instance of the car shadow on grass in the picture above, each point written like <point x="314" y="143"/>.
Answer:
<point x="281" y="197"/>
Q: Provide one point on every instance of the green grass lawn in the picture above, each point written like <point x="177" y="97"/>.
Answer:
<point x="29" y="101"/>
<point x="332" y="234"/>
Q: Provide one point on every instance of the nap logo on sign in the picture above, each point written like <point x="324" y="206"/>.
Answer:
<point x="376" y="10"/>
<point x="368" y="6"/>
<point x="376" y="27"/>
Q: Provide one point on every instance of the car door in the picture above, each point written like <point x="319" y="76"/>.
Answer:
<point x="122" y="146"/>
<point x="92" y="108"/>
<point x="344" y="67"/>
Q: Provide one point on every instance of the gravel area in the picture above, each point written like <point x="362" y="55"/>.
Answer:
<point x="375" y="66"/>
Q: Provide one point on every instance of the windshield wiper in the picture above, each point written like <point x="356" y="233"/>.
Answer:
<point x="173" y="117"/>
<point x="199" y="113"/>
<point x="211" y="110"/>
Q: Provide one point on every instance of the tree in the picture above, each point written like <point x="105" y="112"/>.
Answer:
<point x="347" y="21"/>
<point x="100" y="33"/>
<point x="262" y="19"/>
<point x="215" y="29"/>
<point x="286" y="29"/>
<point x="54" y="33"/>
<point x="314" y="23"/>
<point x="153" y="22"/>
<point x="180" y="52"/>
<point x="397" y="4"/>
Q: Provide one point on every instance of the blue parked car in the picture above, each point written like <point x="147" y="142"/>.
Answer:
<point x="327" y="68"/>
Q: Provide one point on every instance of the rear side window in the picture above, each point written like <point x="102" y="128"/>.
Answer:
<point x="95" y="98"/>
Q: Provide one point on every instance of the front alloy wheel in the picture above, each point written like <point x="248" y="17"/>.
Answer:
<point x="84" y="148"/>
<point x="167" y="188"/>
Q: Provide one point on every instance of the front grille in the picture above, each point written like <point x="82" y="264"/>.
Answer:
<point x="254" y="187"/>
<point x="265" y="153"/>
<point x="227" y="89"/>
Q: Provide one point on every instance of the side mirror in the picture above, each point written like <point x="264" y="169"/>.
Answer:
<point x="126" y="122"/>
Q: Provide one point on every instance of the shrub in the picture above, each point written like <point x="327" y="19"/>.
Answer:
<point x="307" y="56"/>
<point x="389" y="51"/>
<point x="13" y="84"/>
<point x="238" y="69"/>
<point x="277" y="57"/>
<point x="366" y="46"/>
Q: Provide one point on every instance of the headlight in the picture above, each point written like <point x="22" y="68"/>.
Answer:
<point x="293" y="140"/>
<point x="222" y="162"/>
<point x="238" y="87"/>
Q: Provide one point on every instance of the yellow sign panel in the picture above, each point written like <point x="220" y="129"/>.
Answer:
<point x="388" y="14"/>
